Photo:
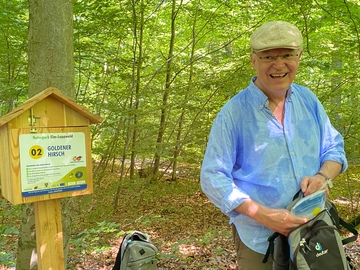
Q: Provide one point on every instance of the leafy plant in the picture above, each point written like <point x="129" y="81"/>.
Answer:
<point x="96" y="239"/>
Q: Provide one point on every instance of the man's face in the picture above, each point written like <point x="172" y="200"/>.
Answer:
<point x="275" y="69"/>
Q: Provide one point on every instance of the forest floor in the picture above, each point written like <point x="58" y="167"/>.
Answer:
<point x="188" y="230"/>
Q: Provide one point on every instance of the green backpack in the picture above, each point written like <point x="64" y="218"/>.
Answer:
<point x="316" y="244"/>
<point x="136" y="252"/>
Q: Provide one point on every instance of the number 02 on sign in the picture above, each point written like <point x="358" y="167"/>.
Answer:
<point x="52" y="162"/>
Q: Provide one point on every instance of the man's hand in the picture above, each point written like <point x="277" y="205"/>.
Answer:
<point x="277" y="220"/>
<point x="311" y="184"/>
<point x="282" y="221"/>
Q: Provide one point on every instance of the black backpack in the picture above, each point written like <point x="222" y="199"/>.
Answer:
<point x="136" y="252"/>
<point x="316" y="244"/>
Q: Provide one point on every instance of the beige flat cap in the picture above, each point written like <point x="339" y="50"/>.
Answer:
<point x="274" y="35"/>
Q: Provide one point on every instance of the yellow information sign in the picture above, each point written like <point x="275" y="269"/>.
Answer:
<point x="52" y="163"/>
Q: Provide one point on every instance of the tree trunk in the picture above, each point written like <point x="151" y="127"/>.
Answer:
<point x="51" y="60"/>
<point x="51" y="64"/>
<point x="179" y="136"/>
<point x="166" y="93"/>
<point x="137" y="67"/>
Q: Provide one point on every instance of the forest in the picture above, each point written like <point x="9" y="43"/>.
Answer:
<point x="158" y="72"/>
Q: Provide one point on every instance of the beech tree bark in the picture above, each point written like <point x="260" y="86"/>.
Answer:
<point x="51" y="64"/>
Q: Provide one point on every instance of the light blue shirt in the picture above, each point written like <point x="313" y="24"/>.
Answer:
<point x="251" y="155"/>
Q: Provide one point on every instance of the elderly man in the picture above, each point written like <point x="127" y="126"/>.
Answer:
<point x="269" y="141"/>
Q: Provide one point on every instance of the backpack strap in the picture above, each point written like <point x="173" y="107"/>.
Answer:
<point x="120" y="254"/>
<point x="297" y="194"/>
<point x="271" y="248"/>
<point x="350" y="229"/>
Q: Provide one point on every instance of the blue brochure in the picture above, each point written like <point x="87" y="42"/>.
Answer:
<point x="310" y="205"/>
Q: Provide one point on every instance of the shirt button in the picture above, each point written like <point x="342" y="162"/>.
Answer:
<point x="293" y="153"/>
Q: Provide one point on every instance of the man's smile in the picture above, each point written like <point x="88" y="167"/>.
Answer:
<point x="278" y="75"/>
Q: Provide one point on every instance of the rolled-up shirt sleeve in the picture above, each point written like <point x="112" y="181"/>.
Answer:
<point x="216" y="173"/>
<point x="332" y="143"/>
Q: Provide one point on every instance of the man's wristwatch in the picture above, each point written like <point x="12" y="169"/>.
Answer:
<point x="328" y="179"/>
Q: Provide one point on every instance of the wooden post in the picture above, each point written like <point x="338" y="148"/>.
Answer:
<point x="49" y="235"/>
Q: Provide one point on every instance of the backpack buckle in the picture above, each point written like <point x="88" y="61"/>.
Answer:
<point x="304" y="246"/>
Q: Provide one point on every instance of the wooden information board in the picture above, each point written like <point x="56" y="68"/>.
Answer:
<point x="46" y="155"/>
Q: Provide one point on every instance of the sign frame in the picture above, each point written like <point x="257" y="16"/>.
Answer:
<point x="17" y="192"/>
<point x="52" y="163"/>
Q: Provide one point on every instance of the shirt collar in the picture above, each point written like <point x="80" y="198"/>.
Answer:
<point x="259" y="96"/>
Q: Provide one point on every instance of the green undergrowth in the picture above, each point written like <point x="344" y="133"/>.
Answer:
<point x="346" y="194"/>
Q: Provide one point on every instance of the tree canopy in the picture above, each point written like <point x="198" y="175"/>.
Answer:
<point x="159" y="71"/>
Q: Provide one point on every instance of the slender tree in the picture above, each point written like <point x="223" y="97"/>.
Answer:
<point x="165" y="95"/>
<point x="138" y="30"/>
